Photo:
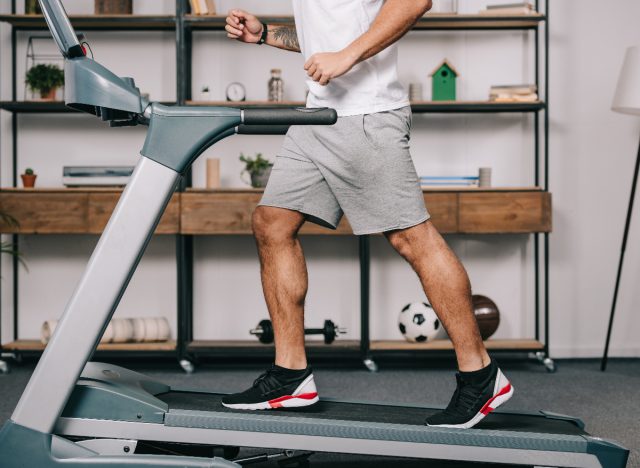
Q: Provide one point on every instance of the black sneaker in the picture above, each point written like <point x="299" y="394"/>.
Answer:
<point x="477" y="394"/>
<point x="276" y="388"/>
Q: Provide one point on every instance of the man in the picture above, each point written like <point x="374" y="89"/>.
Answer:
<point x="360" y="166"/>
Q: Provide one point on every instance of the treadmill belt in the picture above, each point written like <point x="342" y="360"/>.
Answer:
<point x="377" y="413"/>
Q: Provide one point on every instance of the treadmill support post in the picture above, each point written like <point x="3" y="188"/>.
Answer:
<point x="95" y="299"/>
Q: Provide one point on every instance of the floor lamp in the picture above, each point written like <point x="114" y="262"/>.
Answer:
<point x="626" y="101"/>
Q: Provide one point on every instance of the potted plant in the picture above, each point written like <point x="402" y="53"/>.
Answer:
<point x="29" y="178"/>
<point x="258" y="168"/>
<point x="45" y="79"/>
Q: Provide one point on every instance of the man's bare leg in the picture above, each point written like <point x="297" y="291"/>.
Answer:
<point x="284" y="280"/>
<point x="447" y="286"/>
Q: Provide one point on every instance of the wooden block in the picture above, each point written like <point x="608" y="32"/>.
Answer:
<point x="496" y="213"/>
<point x="443" y="208"/>
<point x="101" y="206"/>
<point x="213" y="173"/>
<point x="42" y="212"/>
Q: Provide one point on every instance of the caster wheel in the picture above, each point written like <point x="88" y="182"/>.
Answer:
<point x="371" y="365"/>
<point x="4" y="367"/>
<point x="187" y="366"/>
<point x="549" y="365"/>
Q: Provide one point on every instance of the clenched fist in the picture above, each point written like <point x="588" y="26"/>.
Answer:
<point x="243" y="26"/>
<point x="324" y="67"/>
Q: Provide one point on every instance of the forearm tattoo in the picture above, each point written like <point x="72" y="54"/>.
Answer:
<point x="287" y="35"/>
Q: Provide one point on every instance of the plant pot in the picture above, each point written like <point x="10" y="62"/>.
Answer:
<point x="32" y="7"/>
<point x="260" y="179"/>
<point x="28" y="180"/>
<point x="114" y="7"/>
<point x="48" y="95"/>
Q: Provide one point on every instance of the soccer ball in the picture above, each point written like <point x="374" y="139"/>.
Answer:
<point x="419" y="323"/>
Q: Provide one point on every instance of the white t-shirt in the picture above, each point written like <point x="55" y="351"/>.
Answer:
<point x="330" y="26"/>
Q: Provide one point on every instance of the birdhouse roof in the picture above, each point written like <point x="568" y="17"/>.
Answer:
<point x="442" y="64"/>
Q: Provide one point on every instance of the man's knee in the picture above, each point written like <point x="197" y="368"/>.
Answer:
<point x="273" y="225"/>
<point x="401" y="241"/>
<point x="411" y="240"/>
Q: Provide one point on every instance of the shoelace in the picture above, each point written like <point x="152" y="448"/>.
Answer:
<point x="464" y="399"/>
<point x="267" y="381"/>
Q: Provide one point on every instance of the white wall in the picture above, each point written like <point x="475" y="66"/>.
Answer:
<point x="590" y="191"/>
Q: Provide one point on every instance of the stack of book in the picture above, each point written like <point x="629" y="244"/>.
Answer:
<point x="521" y="8"/>
<point x="449" y="181"/>
<point x="514" y="93"/>
<point x="202" y="7"/>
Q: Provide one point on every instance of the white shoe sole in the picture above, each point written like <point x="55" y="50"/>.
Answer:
<point x="293" y="402"/>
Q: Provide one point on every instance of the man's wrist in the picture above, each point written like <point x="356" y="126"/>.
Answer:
<point x="263" y="36"/>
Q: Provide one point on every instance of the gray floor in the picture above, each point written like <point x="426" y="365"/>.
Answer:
<point x="609" y="403"/>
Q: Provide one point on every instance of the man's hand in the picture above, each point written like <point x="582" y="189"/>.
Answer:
<point x="243" y="26"/>
<point x="324" y="67"/>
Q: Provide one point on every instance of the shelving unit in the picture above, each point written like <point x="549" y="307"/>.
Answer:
<point x="513" y="210"/>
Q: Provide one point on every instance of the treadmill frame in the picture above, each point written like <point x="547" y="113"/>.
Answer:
<point x="176" y="137"/>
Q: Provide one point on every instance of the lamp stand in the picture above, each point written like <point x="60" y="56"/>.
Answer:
<point x="605" y="356"/>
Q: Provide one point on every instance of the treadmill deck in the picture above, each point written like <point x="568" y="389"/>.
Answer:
<point x="375" y="413"/>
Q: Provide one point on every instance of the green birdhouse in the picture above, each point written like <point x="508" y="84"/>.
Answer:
<point x="443" y="82"/>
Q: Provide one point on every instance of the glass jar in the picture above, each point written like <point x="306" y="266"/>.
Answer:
<point x="276" y="86"/>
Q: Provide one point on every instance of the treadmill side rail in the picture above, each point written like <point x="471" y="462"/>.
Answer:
<point x="21" y="447"/>
<point x="610" y="453"/>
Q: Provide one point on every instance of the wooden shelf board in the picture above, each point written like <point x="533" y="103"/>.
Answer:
<point x="428" y="22"/>
<point x="241" y="190"/>
<point x="200" y="344"/>
<point x="454" y="210"/>
<point x="424" y="189"/>
<point x="97" y="22"/>
<point x="36" y="345"/>
<point x="62" y="190"/>
<point x="446" y="345"/>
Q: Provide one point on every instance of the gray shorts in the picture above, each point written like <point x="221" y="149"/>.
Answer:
<point x="360" y="166"/>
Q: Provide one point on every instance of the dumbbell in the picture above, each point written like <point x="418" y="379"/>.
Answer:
<point x="330" y="331"/>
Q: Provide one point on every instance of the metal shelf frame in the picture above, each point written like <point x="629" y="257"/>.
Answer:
<point x="184" y="24"/>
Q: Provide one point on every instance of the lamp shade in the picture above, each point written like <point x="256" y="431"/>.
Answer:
<point x="627" y="98"/>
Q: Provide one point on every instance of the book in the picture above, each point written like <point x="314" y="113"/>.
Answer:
<point x="510" y="5"/>
<point x="521" y="11"/>
<point x="514" y="97"/>
<point x="203" y="7"/>
<point x="515" y="89"/>
<point x="521" y="8"/>
<point x="514" y="93"/>
<point x="449" y="181"/>
<point x="211" y="6"/>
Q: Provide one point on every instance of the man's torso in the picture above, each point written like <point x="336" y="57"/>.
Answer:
<point x="331" y="25"/>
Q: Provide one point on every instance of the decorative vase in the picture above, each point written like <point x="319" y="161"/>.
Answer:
<point x="114" y="7"/>
<point x="29" y="180"/>
<point x="260" y="179"/>
<point x="32" y="7"/>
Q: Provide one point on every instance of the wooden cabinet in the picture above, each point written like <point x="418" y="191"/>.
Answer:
<point x="69" y="211"/>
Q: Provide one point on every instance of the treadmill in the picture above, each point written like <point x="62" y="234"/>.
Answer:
<point x="76" y="413"/>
